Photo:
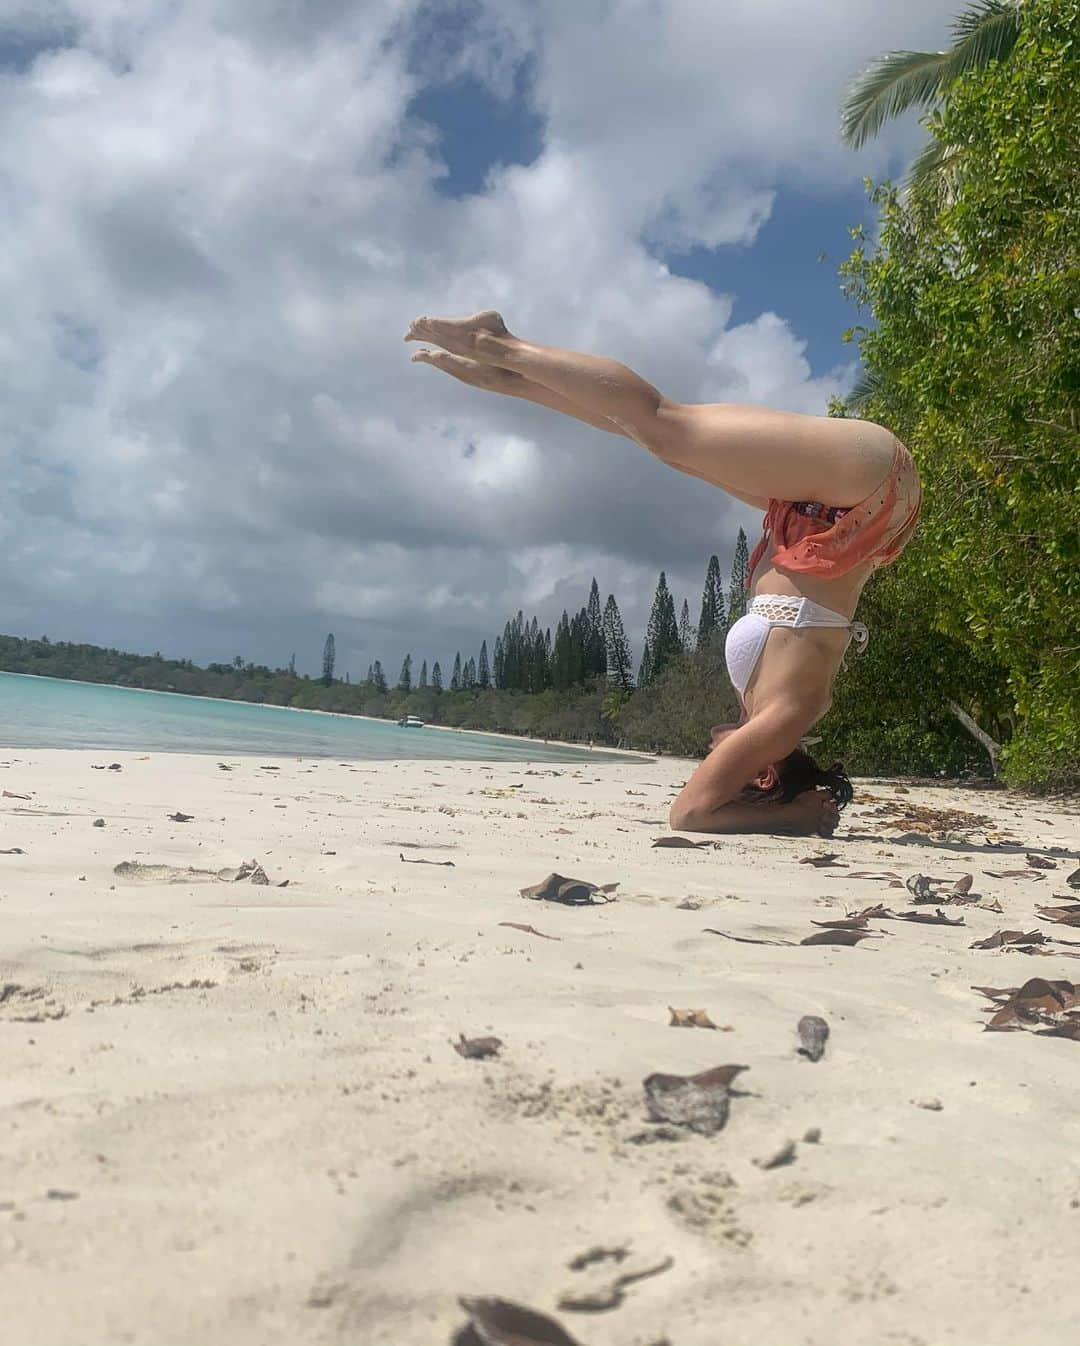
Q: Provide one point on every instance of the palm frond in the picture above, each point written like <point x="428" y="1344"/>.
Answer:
<point x="887" y="87"/>
<point x="979" y="12"/>
<point x="868" y="383"/>
<point x="938" y="164"/>
<point x="987" y="32"/>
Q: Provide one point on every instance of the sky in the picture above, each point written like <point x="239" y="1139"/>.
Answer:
<point x="220" y="216"/>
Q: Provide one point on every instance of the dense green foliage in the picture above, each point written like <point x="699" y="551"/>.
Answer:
<point x="975" y="362"/>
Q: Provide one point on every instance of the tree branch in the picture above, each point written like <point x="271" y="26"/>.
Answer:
<point x="994" y="749"/>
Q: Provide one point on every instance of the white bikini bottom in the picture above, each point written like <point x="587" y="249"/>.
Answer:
<point x="748" y="635"/>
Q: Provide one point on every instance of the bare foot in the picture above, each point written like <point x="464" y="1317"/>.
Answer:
<point x="458" y="335"/>
<point x="468" y="371"/>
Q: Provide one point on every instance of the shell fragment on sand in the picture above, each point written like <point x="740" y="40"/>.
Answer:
<point x="813" y="1035"/>
<point x="500" y="1322"/>
<point x="698" y="1102"/>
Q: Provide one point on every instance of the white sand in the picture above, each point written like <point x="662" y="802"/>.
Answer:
<point x="294" y="1153"/>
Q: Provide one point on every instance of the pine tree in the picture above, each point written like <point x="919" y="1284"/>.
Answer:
<point x="346" y="678"/>
<point x="712" y="606"/>
<point x="616" y="649"/>
<point x="468" y="675"/>
<point x="455" y="677"/>
<point x="371" y="673"/>
<point x="500" y="664"/>
<point x="740" y="574"/>
<point x="436" y="677"/>
<point x="644" y="676"/>
<point x="405" y="681"/>
<point x="578" y="633"/>
<point x="292" y="666"/>
<point x="483" y="676"/>
<point x="594" y="635"/>
<point x="423" y="676"/>
<point x="686" y="631"/>
<point x="378" y="677"/>
<point x="327" y="660"/>
<point x="561" y="659"/>
<point x="662" y="638"/>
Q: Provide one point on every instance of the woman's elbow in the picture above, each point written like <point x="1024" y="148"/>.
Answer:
<point x="685" y="816"/>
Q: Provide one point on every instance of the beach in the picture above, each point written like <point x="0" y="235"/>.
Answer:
<point x="232" y="1110"/>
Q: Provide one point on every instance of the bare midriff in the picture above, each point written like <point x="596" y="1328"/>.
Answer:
<point x="807" y="658"/>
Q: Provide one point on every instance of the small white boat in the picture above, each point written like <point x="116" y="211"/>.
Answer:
<point x="410" y="722"/>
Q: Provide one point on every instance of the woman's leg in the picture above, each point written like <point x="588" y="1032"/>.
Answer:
<point x="494" y="379"/>
<point x="759" y="453"/>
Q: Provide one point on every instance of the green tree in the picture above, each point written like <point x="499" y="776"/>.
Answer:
<point x="483" y="674"/>
<point x="973" y="360"/>
<point x="595" y="661"/>
<point x="405" y="680"/>
<point x="712" y="605"/>
<point x="455" y="676"/>
<point x="662" y="636"/>
<point x="378" y="677"/>
<point x="422" y="684"/>
<point x="327" y="661"/>
<point x="436" y="677"/>
<point x="468" y="674"/>
<point x="616" y="648"/>
<point x="686" y="631"/>
<point x="740" y="575"/>
<point x="987" y="31"/>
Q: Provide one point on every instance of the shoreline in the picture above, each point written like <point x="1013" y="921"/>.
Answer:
<point x="333" y="714"/>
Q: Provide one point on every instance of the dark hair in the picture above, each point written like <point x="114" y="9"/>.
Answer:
<point x="798" y="773"/>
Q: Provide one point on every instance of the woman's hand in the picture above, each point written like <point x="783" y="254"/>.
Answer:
<point x="817" y="810"/>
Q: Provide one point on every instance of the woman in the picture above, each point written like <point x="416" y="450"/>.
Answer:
<point x="806" y="573"/>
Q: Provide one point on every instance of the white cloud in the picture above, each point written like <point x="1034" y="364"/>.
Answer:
<point x="219" y="218"/>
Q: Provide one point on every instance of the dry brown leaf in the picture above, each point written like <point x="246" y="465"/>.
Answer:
<point x="1038" y="1001"/>
<point x="872" y="874"/>
<point x="477" y="1049"/>
<point x="448" y="863"/>
<point x="744" y="939"/>
<point x="1069" y="1027"/>
<point x="499" y="1322"/>
<point x="925" y="918"/>
<point x="1073" y="879"/>
<point x="10" y="794"/>
<point x="1011" y="874"/>
<point x="848" y="937"/>
<point x="1066" y="915"/>
<point x="963" y="884"/>
<point x="691" y="1018"/>
<point x="813" y="1035"/>
<point x="13" y="850"/>
<point x="672" y="843"/>
<point x="180" y="817"/>
<point x="1000" y="938"/>
<point x="918" y="885"/>
<point x="1040" y="862"/>
<point x="822" y="861"/>
<point x="843" y="923"/>
<point x="571" y="892"/>
<point x="528" y="929"/>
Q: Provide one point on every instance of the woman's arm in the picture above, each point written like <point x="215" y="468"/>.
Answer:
<point x="814" y="812"/>
<point x="733" y="763"/>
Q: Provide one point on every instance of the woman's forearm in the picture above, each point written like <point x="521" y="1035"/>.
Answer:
<point x="783" y="819"/>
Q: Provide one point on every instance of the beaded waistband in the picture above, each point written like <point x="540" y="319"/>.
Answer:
<point x="813" y="510"/>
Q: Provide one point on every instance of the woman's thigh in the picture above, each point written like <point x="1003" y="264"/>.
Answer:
<point x="782" y="455"/>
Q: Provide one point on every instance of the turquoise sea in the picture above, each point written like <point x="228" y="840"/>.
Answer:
<point x="54" y="713"/>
